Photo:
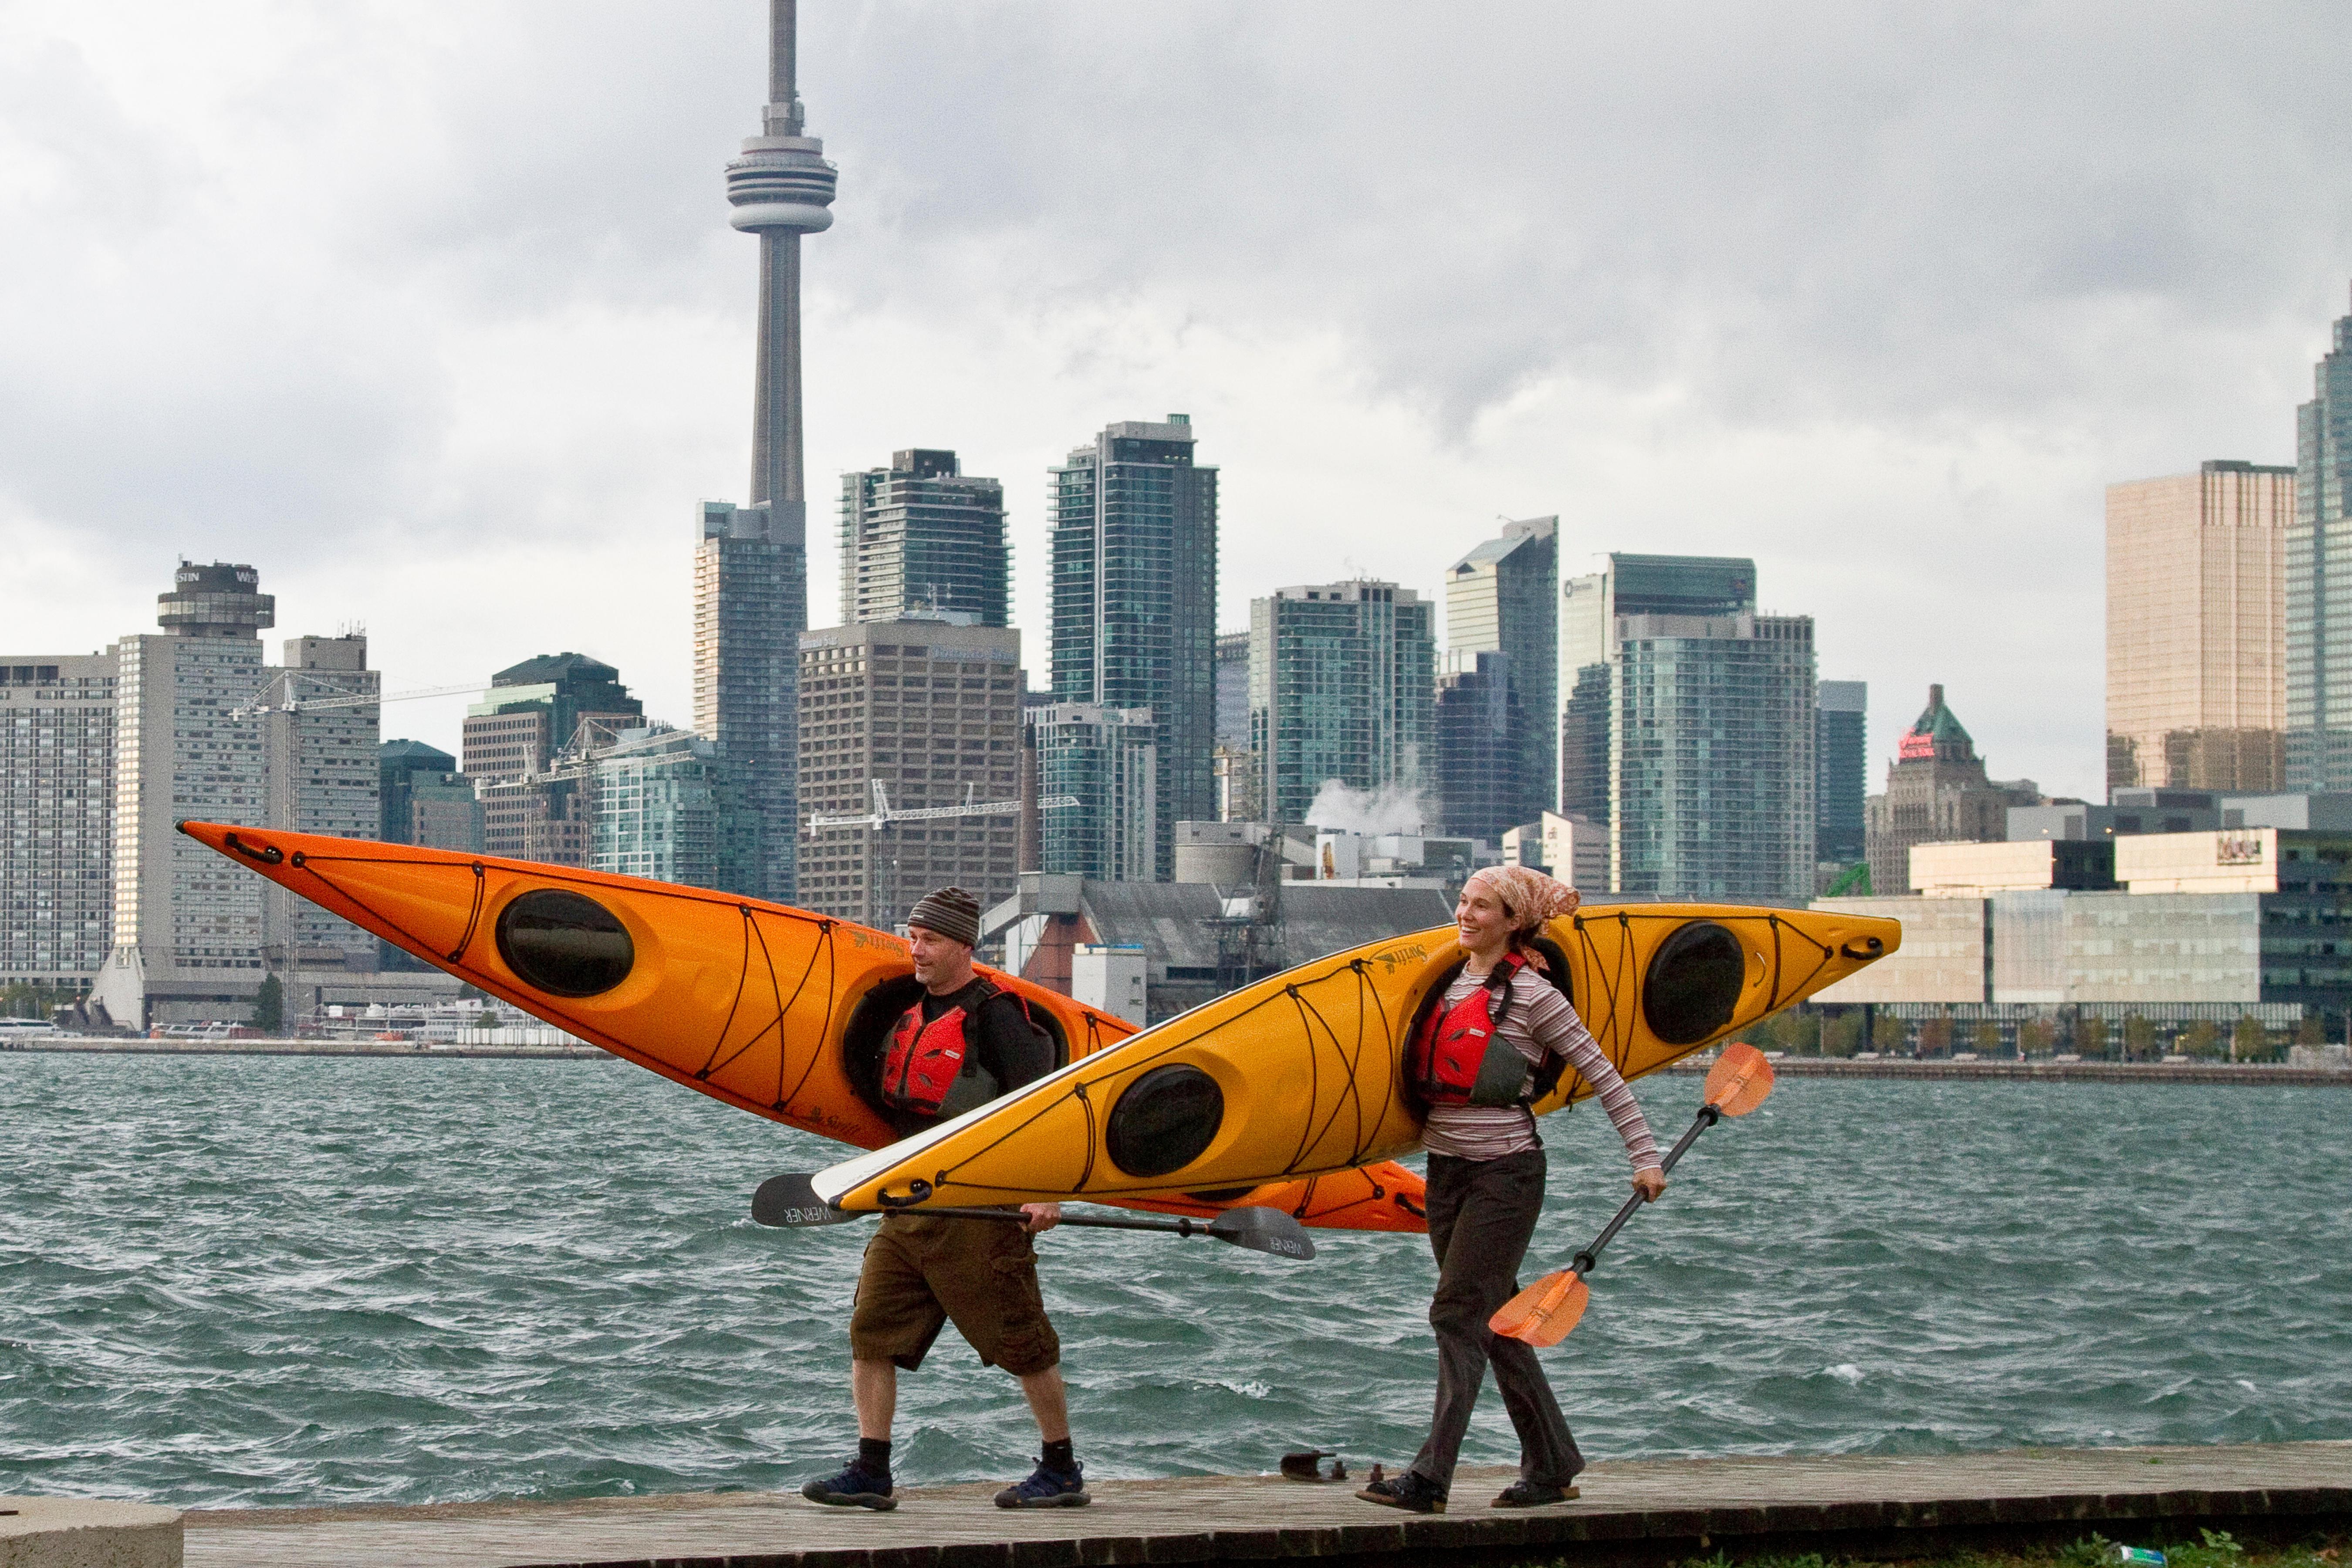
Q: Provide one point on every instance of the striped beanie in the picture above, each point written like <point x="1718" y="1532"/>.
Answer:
<point x="950" y="912"/>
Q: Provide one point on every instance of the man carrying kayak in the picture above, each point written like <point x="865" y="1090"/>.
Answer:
<point x="962" y="1043"/>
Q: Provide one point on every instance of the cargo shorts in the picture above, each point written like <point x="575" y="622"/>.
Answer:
<point x="922" y="1273"/>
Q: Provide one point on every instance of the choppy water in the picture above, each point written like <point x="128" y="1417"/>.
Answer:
<point x="273" y="1282"/>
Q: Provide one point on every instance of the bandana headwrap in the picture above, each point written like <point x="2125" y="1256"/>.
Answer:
<point x="1528" y="895"/>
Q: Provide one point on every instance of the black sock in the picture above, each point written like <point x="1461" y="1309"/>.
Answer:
<point x="1059" y="1456"/>
<point x="873" y="1453"/>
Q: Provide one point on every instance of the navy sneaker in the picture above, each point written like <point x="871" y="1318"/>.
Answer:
<point x="1411" y="1491"/>
<point x="1527" y="1494"/>
<point x="1049" y="1488"/>
<point x="855" y="1486"/>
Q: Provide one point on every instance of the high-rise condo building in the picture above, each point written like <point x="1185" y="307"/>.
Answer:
<point x="1234" y="766"/>
<point x="56" y="807"/>
<point x="751" y="569"/>
<point x="324" y="717"/>
<point x="920" y="535"/>
<point x="188" y="924"/>
<point x="1711" y="760"/>
<point x="425" y="799"/>
<point x="1107" y="760"/>
<point x="667" y="807"/>
<point x="1479" y="754"/>
<point x="1840" y="769"/>
<point x="2319" y="581"/>
<point x="930" y="711"/>
<point x="2196" y="629"/>
<point x="1504" y="598"/>
<point x="1590" y="607"/>
<point x="1342" y="683"/>
<point x="534" y="710"/>
<point x="1134" y="549"/>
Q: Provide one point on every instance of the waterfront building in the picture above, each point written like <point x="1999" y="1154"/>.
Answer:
<point x="1134" y="547"/>
<point x="188" y="925"/>
<point x="1479" y="756"/>
<point x="56" y="815"/>
<point x="1106" y="758"/>
<point x="535" y="708"/>
<point x="1342" y="687"/>
<point x="922" y="535"/>
<point x="1841" y="772"/>
<point x="750" y="568"/>
<point x="1502" y="598"/>
<point x="666" y="808"/>
<point x="1590" y="608"/>
<point x="1937" y="791"/>
<point x="425" y="799"/>
<point x="2207" y="926"/>
<point x="323" y="722"/>
<point x="930" y="711"/>
<point x="1711" y="757"/>
<point x="2196" y="629"/>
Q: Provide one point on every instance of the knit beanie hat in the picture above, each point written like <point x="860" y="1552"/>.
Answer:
<point x="951" y="912"/>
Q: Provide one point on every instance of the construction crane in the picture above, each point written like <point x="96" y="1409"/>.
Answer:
<point x="263" y="706"/>
<point x="882" y="815"/>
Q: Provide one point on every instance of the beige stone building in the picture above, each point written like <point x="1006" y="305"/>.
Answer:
<point x="2196" y="629"/>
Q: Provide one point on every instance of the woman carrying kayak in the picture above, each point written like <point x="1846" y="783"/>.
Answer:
<point x="1495" y="1041"/>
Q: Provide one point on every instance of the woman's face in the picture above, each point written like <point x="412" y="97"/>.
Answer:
<point x="1484" y="925"/>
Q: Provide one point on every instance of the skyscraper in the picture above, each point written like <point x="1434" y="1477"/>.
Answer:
<point x="1840" y="770"/>
<point x="533" y="710"/>
<point x="750" y="578"/>
<point x="1504" y="598"/>
<point x="1342" y="682"/>
<point x="1135" y="597"/>
<point x="56" y="805"/>
<point x="1105" y="759"/>
<point x="666" y="808"/>
<point x="1590" y="609"/>
<point x="920" y="535"/>
<point x="2197" y="632"/>
<point x="931" y="712"/>
<point x="1711" y="759"/>
<point x="1937" y="793"/>
<point x="187" y="924"/>
<point x="324" y="774"/>
<point x="2319" y="580"/>
<point x="1479" y="772"/>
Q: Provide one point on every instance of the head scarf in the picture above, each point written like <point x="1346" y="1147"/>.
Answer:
<point x="1528" y="895"/>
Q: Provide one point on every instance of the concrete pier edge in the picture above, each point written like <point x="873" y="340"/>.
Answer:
<point x="88" y="1533"/>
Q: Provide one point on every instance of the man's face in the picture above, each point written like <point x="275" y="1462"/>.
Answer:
<point x="941" y="962"/>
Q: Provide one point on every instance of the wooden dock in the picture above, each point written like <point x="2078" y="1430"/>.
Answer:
<point x="1649" y="1511"/>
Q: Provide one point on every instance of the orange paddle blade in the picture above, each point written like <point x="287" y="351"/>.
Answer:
<point x="1543" y="1313"/>
<point x="1740" y="1079"/>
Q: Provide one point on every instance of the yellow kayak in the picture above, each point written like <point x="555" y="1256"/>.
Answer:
<point x="766" y="1008"/>
<point x="1303" y="1073"/>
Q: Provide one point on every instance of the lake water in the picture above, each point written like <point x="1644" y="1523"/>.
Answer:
<point x="266" y="1280"/>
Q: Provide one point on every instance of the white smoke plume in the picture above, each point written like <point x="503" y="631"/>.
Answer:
<point x="1390" y="808"/>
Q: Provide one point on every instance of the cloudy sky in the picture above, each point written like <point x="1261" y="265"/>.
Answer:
<point x="431" y="311"/>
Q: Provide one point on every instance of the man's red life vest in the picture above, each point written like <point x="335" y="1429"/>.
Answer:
<point x="1458" y="1055"/>
<point x="933" y="1069"/>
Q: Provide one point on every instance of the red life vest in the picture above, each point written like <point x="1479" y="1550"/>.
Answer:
<point x="933" y="1069"/>
<point x="1458" y="1055"/>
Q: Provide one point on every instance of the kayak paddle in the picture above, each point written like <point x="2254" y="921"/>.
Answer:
<point x="791" y="1201"/>
<point x="1544" y="1313"/>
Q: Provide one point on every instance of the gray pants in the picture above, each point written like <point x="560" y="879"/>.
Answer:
<point x="1482" y="1214"/>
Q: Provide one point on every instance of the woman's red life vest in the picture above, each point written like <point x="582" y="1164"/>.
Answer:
<point x="933" y="1069"/>
<point x="1458" y="1055"/>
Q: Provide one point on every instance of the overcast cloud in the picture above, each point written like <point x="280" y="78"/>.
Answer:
<point x="431" y="311"/>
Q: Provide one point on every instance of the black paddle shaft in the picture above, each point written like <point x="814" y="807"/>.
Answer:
<point x="1590" y="1258"/>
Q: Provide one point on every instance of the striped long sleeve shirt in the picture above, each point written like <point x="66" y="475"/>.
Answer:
<point x="1538" y="1022"/>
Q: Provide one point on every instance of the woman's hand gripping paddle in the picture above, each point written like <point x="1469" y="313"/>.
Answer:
<point x="793" y="1202"/>
<point x="1544" y="1313"/>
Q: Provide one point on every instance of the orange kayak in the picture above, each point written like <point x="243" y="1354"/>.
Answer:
<point x="762" y="1005"/>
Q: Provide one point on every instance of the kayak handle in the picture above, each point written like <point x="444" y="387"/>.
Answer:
<point x="917" y="1191"/>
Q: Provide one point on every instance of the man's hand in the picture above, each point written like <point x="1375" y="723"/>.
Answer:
<point x="1650" y="1183"/>
<point x="1045" y="1216"/>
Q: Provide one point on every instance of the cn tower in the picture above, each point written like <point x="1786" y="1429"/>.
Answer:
<point x="751" y="570"/>
<point x="781" y="188"/>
